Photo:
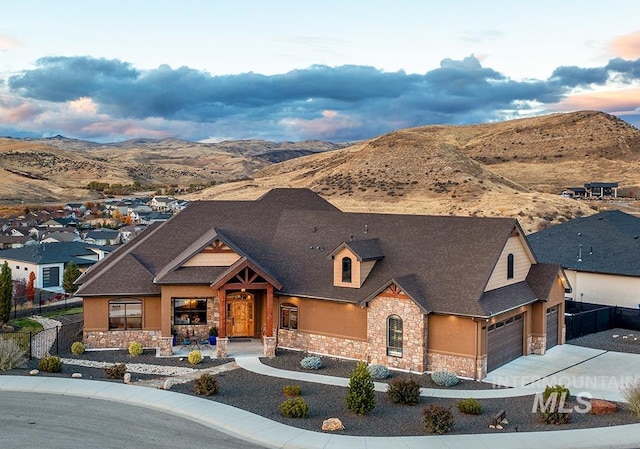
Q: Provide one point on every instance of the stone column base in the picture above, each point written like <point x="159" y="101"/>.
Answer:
<point x="222" y="347"/>
<point x="166" y="346"/>
<point x="269" y="346"/>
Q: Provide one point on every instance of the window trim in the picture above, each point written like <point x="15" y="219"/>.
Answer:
<point x="292" y="309"/>
<point x="347" y="270"/>
<point x="393" y="349"/>
<point x="510" y="266"/>
<point x="126" y="316"/>
<point x="189" y="315"/>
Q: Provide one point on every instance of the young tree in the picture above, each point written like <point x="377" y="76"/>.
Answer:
<point x="71" y="273"/>
<point x="6" y="292"/>
<point x="361" y="396"/>
<point x="31" y="287"/>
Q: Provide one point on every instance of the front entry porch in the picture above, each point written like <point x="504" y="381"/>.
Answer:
<point x="243" y="347"/>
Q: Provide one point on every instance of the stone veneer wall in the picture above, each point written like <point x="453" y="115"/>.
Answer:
<point x="536" y="345"/>
<point x="460" y="365"/>
<point x="414" y="332"/>
<point x="121" y="339"/>
<point x="322" y="344"/>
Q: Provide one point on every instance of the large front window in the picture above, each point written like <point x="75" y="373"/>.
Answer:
<point x="125" y="314"/>
<point x="394" y="336"/>
<point x="288" y="316"/>
<point x="189" y="311"/>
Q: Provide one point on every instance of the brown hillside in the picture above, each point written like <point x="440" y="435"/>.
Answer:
<point x="464" y="170"/>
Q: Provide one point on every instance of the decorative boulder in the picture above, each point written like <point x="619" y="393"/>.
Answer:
<point x="76" y="375"/>
<point x="332" y="424"/>
<point x="34" y="372"/>
<point x="127" y="378"/>
<point x="602" y="407"/>
<point x="167" y="384"/>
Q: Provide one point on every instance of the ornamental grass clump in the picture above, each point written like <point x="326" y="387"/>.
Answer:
<point x="554" y="399"/>
<point x="77" y="348"/>
<point x="135" y="348"/>
<point x="631" y="394"/>
<point x="311" y="362"/>
<point x="378" y="372"/>
<point x="11" y="355"/>
<point x="206" y="385"/>
<point x="195" y="357"/>
<point x="403" y="391"/>
<point x="469" y="406"/>
<point x="437" y="419"/>
<point x="116" y="371"/>
<point x="292" y="390"/>
<point x="294" y="408"/>
<point x="50" y="364"/>
<point x="361" y="398"/>
<point x="444" y="378"/>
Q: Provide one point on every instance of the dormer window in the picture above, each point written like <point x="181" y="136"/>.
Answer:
<point x="346" y="269"/>
<point x="510" y="266"/>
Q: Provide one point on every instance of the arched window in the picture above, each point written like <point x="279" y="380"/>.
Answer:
<point x="289" y="316"/>
<point x="510" y="266"/>
<point x="346" y="269"/>
<point x="394" y="336"/>
<point x="125" y="314"/>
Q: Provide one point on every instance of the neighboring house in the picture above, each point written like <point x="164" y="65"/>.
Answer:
<point x="60" y="236"/>
<point x="416" y="293"/>
<point x="601" y="189"/>
<point x="161" y="203"/>
<point x="102" y="236"/>
<point x="49" y="260"/>
<point x="60" y="222"/>
<point x="153" y="217"/>
<point x="135" y="211"/>
<point x="130" y="231"/>
<point x="10" y="241"/>
<point x="600" y="255"/>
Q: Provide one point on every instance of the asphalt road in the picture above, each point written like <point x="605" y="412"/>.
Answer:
<point x="33" y="420"/>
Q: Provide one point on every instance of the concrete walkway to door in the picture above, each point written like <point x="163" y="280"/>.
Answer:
<point x="594" y="371"/>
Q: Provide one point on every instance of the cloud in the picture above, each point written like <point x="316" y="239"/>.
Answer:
<point x="8" y="43"/>
<point x="627" y="46"/>
<point x="102" y="98"/>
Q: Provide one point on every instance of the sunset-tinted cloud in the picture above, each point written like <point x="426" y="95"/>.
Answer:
<point x="108" y="99"/>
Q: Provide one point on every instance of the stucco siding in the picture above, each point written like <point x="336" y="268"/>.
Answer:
<point x="607" y="289"/>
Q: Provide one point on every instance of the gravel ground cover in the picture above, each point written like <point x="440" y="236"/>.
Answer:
<point x="263" y="395"/>
<point x="618" y="340"/>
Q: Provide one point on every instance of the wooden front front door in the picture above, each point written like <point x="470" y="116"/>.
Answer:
<point x="240" y="316"/>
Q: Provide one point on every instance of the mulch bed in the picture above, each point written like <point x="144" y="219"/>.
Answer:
<point x="263" y="395"/>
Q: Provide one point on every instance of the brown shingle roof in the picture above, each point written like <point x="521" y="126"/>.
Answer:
<point x="442" y="262"/>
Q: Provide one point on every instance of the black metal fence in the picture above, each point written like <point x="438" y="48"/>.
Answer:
<point x="53" y="341"/>
<point x="587" y="318"/>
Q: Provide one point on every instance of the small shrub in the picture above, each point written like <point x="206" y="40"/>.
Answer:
<point x="135" y="348"/>
<point x="437" y="419"/>
<point x="11" y="355"/>
<point x="444" y="378"/>
<point x="631" y="394"/>
<point x="115" y="371"/>
<point x="404" y="391"/>
<point x="77" y="348"/>
<point x="294" y="408"/>
<point x="291" y="390"/>
<point x="553" y="414"/>
<point x="206" y="385"/>
<point x="50" y="364"/>
<point x="378" y="372"/>
<point x="311" y="362"/>
<point x="469" y="406"/>
<point x="361" y="398"/>
<point x="195" y="357"/>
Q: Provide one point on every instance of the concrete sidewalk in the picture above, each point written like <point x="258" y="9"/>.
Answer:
<point x="271" y="434"/>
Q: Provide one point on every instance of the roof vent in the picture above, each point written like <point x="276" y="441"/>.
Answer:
<point x="315" y="229"/>
<point x="351" y="237"/>
<point x="366" y="228"/>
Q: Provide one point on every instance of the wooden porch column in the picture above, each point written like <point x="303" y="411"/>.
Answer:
<point x="222" y="312"/>
<point x="269" y="329"/>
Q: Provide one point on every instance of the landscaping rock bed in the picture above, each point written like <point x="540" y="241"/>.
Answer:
<point x="618" y="340"/>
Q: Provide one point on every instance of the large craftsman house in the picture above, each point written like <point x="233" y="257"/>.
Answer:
<point x="417" y="293"/>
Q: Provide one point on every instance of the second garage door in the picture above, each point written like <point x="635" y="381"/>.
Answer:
<point x="504" y="341"/>
<point x="552" y="326"/>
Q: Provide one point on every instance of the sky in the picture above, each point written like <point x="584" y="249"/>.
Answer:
<point x="292" y="70"/>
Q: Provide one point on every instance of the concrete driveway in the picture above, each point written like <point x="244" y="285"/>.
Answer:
<point x="594" y="371"/>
